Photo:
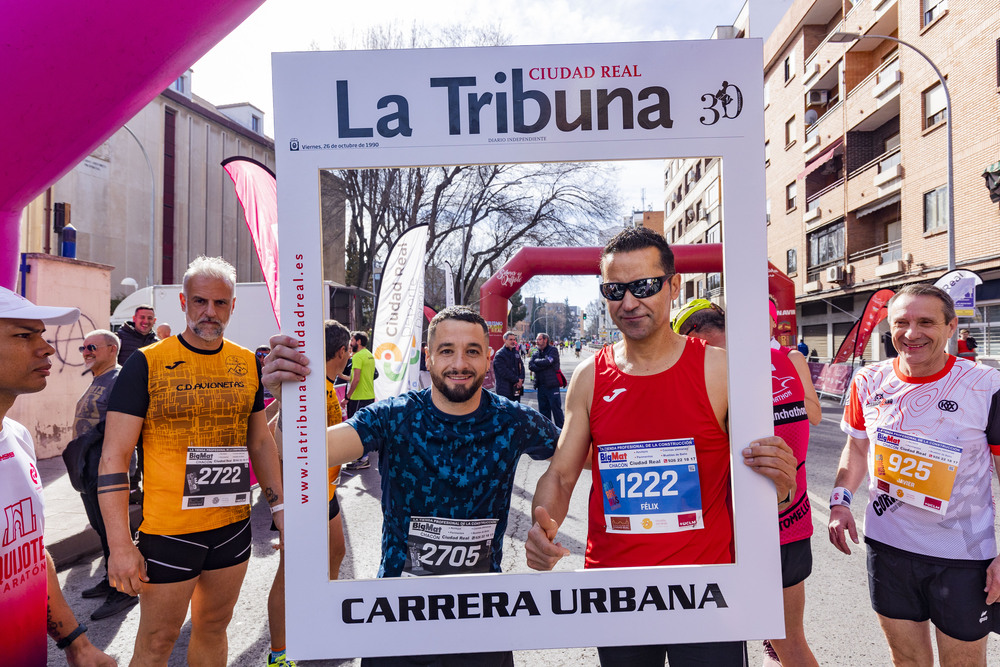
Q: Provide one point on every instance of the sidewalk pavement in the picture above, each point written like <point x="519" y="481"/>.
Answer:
<point x="68" y="535"/>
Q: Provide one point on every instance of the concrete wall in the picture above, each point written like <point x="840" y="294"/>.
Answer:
<point x="56" y="281"/>
<point x="111" y="195"/>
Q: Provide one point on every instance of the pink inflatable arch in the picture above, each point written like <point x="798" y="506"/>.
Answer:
<point x="530" y="262"/>
<point x="74" y="72"/>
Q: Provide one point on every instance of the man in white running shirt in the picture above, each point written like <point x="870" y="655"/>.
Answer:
<point x="924" y="427"/>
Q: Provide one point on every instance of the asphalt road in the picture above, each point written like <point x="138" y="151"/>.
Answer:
<point x="839" y="622"/>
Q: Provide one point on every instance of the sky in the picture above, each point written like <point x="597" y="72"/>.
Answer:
<point x="238" y="69"/>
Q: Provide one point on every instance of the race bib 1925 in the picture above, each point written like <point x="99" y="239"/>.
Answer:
<point x="917" y="471"/>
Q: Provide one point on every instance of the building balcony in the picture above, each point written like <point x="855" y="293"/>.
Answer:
<point x="880" y="17"/>
<point x="827" y="129"/>
<point x="825" y="205"/>
<point x="887" y="81"/>
<point x="876" y="182"/>
<point x="812" y="71"/>
<point x="878" y="262"/>
<point x="875" y="99"/>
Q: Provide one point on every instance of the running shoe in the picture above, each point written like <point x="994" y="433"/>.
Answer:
<point x="770" y="653"/>
<point x="115" y="603"/>
<point x="360" y="464"/>
<point x="283" y="661"/>
<point x="100" y="590"/>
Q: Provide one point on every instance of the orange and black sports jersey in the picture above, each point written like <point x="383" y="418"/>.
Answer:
<point x="333" y="417"/>
<point x="188" y="398"/>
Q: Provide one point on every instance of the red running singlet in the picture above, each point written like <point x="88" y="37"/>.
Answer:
<point x="792" y="424"/>
<point x="667" y="406"/>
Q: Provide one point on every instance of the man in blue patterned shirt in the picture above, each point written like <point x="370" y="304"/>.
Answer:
<point x="447" y="457"/>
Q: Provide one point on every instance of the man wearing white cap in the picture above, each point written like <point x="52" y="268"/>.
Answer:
<point x="24" y="367"/>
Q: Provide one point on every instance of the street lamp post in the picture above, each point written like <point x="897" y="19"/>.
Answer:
<point x="152" y="210"/>
<point x="847" y="37"/>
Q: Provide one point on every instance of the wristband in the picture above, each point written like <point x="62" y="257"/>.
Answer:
<point x="277" y="508"/>
<point x="64" y="643"/>
<point x="840" y="496"/>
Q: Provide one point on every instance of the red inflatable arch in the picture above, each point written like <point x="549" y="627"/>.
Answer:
<point x="530" y="262"/>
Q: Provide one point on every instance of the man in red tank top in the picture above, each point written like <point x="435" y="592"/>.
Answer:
<point x="608" y="406"/>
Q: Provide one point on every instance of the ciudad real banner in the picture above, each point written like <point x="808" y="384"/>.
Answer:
<point x="565" y="103"/>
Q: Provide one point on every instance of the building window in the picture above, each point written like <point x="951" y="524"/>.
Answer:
<point x="826" y="245"/>
<point x="791" y="261"/>
<point x="767" y="153"/>
<point x="790" y="132"/>
<point x="712" y="195"/>
<point x="767" y="208"/>
<point x="933" y="10"/>
<point x="255" y="124"/>
<point x="714" y="234"/>
<point x="767" y="86"/>
<point x="790" y="191"/>
<point x="713" y="282"/>
<point x="789" y="67"/>
<point x="936" y="209"/>
<point x="934" y="105"/>
<point x="179" y="85"/>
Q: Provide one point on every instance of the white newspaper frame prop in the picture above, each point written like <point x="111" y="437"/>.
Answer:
<point x="389" y="116"/>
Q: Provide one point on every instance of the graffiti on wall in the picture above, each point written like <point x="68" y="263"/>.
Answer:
<point x="67" y="339"/>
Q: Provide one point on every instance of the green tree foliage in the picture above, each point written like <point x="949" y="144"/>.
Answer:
<point x="518" y="311"/>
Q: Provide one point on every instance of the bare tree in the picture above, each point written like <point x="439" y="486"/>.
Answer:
<point x="497" y="209"/>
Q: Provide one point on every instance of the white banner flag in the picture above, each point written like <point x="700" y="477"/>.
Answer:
<point x="399" y="315"/>
<point x="449" y="286"/>
<point x="961" y="287"/>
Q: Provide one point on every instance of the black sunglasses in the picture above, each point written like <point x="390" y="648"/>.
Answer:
<point x="640" y="289"/>
<point x="91" y="347"/>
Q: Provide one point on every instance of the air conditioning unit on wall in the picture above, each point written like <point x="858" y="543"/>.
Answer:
<point x="835" y="274"/>
<point x="814" y="97"/>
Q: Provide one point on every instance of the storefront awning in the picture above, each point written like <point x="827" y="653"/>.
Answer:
<point x="821" y="159"/>
<point x="879" y="205"/>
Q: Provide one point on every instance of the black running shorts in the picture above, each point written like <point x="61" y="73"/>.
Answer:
<point x="915" y="589"/>
<point x="173" y="558"/>
<point x="796" y="562"/>
<point x="710" y="654"/>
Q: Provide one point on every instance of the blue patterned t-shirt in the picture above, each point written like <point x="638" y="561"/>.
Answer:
<point x="449" y="466"/>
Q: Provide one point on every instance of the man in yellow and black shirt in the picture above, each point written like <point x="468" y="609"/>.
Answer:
<point x="197" y="401"/>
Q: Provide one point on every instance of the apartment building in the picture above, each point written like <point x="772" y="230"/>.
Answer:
<point x="856" y="156"/>
<point x="693" y="214"/>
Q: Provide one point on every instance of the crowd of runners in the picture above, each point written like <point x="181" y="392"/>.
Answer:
<point x="923" y="427"/>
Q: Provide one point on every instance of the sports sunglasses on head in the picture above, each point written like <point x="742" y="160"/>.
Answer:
<point x="640" y="289"/>
<point x="692" y="307"/>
